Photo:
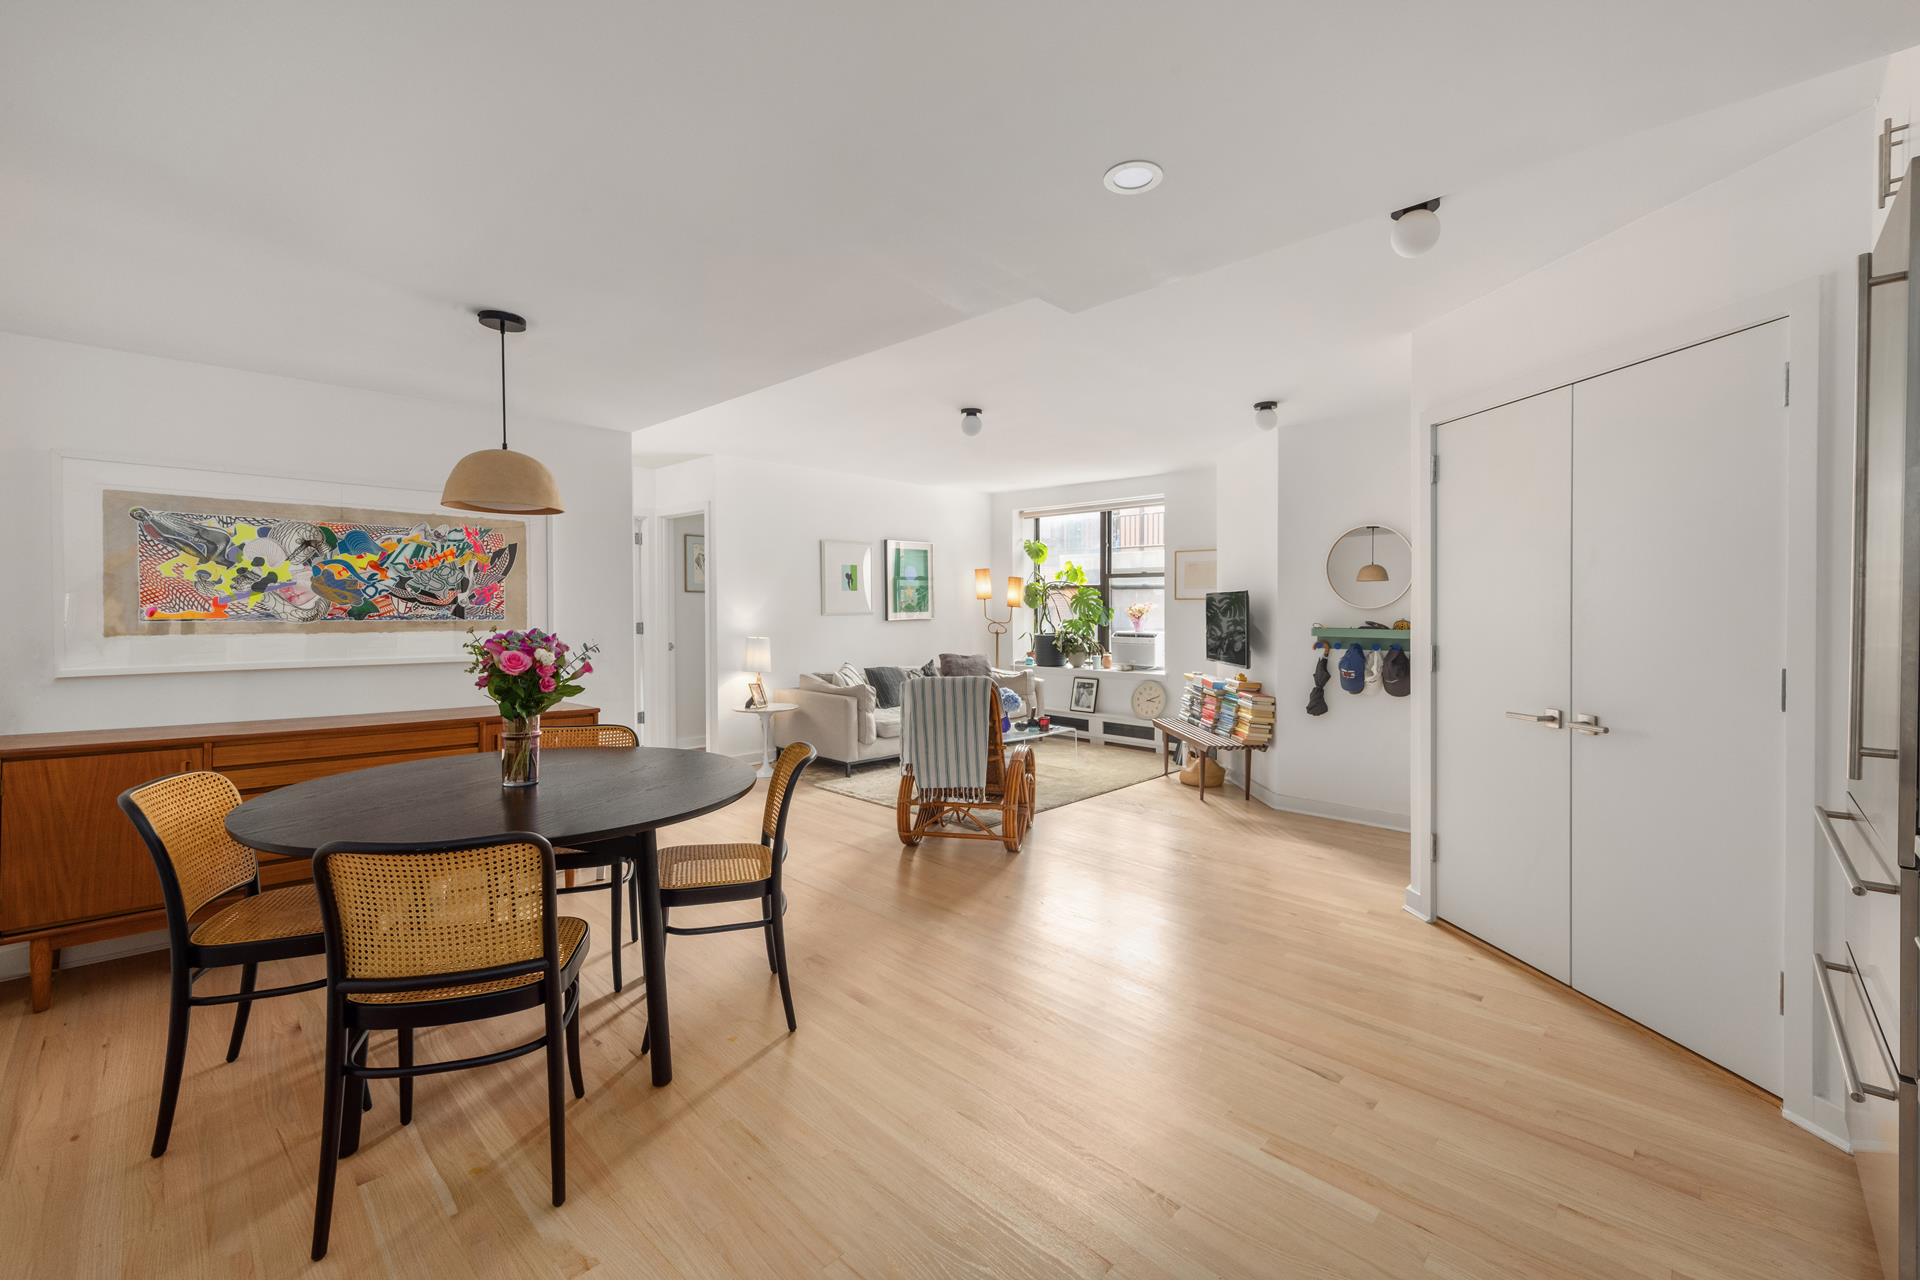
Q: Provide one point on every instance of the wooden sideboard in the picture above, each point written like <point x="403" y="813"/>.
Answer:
<point x="72" y="869"/>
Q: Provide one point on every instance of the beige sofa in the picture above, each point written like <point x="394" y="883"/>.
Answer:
<point x="842" y="731"/>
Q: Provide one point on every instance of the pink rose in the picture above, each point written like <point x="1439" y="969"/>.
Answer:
<point x="513" y="662"/>
<point x="546" y="684"/>
<point x="481" y="683"/>
<point x="546" y="669"/>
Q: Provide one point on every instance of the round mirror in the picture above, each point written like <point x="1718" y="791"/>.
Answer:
<point x="1370" y="566"/>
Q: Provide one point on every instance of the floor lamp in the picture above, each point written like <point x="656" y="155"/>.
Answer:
<point x="983" y="592"/>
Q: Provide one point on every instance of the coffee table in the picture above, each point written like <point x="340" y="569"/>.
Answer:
<point x="1018" y="735"/>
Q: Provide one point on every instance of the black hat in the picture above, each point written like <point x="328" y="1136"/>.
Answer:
<point x="1396" y="673"/>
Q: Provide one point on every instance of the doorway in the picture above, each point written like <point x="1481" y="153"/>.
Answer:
<point x="685" y="613"/>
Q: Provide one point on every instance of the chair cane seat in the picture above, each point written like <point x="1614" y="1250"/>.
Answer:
<point x="571" y="930"/>
<point x="695" y="867"/>
<point x="257" y="918"/>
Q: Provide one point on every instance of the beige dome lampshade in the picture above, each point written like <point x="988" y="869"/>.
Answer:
<point x="502" y="480"/>
<point x="1373" y="571"/>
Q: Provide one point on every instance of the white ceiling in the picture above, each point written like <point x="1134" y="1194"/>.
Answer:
<point x="693" y="202"/>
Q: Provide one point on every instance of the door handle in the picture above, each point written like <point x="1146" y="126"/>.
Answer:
<point x="1825" y="818"/>
<point x="1550" y="718"/>
<point x="1585" y="724"/>
<point x="1857" y="1090"/>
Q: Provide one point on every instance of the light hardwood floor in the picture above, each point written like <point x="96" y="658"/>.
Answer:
<point x="1165" y="1039"/>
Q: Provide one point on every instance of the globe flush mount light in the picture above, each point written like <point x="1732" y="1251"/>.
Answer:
<point x="1416" y="228"/>
<point x="502" y="480"/>
<point x="1131" y="177"/>
<point x="1266" y="414"/>
<point x="970" y="423"/>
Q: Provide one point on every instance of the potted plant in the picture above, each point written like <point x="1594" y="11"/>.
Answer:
<point x="1138" y="612"/>
<point x="1068" y="613"/>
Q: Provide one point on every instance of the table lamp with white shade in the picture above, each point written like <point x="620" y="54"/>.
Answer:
<point x="759" y="658"/>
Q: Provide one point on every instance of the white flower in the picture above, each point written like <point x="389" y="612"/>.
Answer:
<point x="544" y="657"/>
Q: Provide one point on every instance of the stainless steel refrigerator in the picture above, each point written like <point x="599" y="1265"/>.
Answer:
<point x="1869" y="982"/>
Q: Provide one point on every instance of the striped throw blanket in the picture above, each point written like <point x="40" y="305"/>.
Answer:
<point x="943" y="730"/>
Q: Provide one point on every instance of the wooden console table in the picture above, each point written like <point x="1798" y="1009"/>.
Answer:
<point x="1208" y="742"/>
<point x="72" y="869"/>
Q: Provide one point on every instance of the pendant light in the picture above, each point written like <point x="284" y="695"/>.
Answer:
<point x="1373" y="571"/>
<point x="502" y="480"/>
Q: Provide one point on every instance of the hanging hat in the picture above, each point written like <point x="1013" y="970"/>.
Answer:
<point x="1396" y="673"/>
<point x="1353" y="670"/>
<point x="1317" y="700"/>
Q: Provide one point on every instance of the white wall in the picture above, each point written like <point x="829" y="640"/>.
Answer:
<point x="1284" y="497"/>
<point x="1794" y="217"/>
<point x="689" y="610"/>
<point x="92" y="401"/>
<point x="763" y="552"/>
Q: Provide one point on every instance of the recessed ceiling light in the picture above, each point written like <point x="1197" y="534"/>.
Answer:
<point x="1131" y="177"/>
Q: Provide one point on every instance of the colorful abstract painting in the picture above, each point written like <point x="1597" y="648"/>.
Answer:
<point x="909" y="580"/>
<point x="269" y="566"/>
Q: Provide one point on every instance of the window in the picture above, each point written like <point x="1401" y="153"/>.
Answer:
<point x="1123" y="551"/>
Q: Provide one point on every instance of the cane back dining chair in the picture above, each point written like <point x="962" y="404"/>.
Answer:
<point x="429" y="935"/>
<point x="1011" y="783"/>
<point x="622" y="872"/>
<point x="182" y="819"/>
<point x="739" y="871"/>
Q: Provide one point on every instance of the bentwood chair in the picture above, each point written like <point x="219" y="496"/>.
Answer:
<point x="1011" y="782"/>
<point x="622" y="871"/>
<point x="183" y="821"/>
<point x="740" y="871"/>
<point x="429" y="935"/>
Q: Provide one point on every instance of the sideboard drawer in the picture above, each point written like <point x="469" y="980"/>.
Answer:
<point x="254" y="779"/>
<point x="67" y="853"/>
<point x="393" y="744"/>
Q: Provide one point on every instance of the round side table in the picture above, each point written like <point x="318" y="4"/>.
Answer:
<point x="766" y="733"/>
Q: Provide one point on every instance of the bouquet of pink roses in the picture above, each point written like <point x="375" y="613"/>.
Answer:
<point x="527" y="672"/>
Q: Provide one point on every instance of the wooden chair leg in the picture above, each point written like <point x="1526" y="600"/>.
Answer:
<point x="573" y="1044"/>
<point x="617" y="895"/>
<point x="767" y="909"/>
<point x="178" y="1011"/>
<point x="332" y="1107"/>
<point x="780" y="953"/>
<point x="248" y="973"/>
<point x="556" y="1106"/>
<point x="406" y="1082"/>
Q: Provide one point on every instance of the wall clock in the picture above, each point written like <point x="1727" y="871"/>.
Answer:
<point x="1149" y="699"/>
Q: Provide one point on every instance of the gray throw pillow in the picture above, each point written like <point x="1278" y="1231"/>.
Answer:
<point x="964" y="665"/>
<point x="887" y="683"/>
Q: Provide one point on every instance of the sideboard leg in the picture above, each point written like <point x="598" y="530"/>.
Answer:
<point x="40" y="974"/>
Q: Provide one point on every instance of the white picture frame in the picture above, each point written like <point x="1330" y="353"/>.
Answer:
<point x="82" y="647"/>
<point x="839" y="560"/>
<point x="1195" y="573"/>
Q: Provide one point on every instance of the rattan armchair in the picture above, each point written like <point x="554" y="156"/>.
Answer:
<point x="739" y="871"/>
<point x="427" y="935"/>
<point x="1012" y="783"/>
<point x="182" y="819"/>
<point x="621" y="868"/>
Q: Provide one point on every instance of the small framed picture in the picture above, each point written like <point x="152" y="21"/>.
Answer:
<point x="1195" y="573"/>
<point x="756" y="694"/>
<point x="693" y="562"/>
<point x="1086" y="692"/>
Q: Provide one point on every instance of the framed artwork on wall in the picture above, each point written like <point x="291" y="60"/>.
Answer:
<point x="180" y="569"/>
<point x="693" y="562"/>
<point x="846" y="577"/>
<point x="909" y="580"/>
<point x="1195" y="573"/>
<point x="1086" y="692"/>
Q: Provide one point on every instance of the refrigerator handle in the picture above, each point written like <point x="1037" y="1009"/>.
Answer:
<point x="1857" y="1090"/>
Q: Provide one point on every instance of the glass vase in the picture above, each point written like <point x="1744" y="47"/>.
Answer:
<point x="519" y="751"/>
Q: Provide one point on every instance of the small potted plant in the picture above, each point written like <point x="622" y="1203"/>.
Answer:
<point x="525" y="673"/>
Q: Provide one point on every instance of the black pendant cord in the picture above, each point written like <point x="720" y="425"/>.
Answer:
<point x="503" y="387"/>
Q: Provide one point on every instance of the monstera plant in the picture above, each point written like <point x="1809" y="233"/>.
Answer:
<point x="1068" y="613"/>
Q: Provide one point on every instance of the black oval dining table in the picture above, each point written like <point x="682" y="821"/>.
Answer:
<point x="609" y="798"/>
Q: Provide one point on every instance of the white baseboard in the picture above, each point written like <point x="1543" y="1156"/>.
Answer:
<point x="13" y="957"/>
<point x="1829" y="1123"/>
<point x="1415" y="903"/>
<point x="1325" y="809"/>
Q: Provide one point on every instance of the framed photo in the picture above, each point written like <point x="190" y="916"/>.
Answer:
<point x="693" y="562"/>
<point x="846" y="577"/>
<point x="909" y="580"/>
<point x="1195" y="573"/>
<point x="1086" y="692"/>
<point x="756" y="694"/>
<point x="183" y="569"/>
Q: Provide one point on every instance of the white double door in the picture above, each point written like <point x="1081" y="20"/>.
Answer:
<point x="1614" y="552"/>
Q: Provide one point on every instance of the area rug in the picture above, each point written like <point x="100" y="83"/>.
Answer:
<point x="1066" y="774"/>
